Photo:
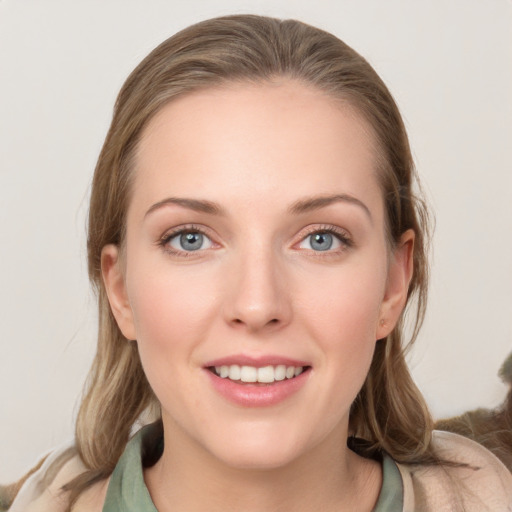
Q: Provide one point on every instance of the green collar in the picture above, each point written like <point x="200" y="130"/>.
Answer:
<point x="127" y="491"/>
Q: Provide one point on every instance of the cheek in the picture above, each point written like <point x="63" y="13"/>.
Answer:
<point x="169" y="305"/>
<point x="344" y="305"/>
<point x="172" y="312"/>
<point x="342" y="313"/>
<point x="345" y="332"/>
<point x="170" y="315"/>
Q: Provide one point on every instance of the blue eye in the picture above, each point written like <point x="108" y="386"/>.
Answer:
<point x="321" y="241"/>
<point x="189" y="241"/>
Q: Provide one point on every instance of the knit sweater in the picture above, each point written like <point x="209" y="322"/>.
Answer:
<point x="481" y="484"/>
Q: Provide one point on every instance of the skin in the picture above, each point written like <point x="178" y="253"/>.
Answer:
<point x="257" y="287"/>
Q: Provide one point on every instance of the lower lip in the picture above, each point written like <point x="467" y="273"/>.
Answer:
<point x="257" y="395"/>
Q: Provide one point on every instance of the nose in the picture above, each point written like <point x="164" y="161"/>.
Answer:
<point x="258" y="294"/>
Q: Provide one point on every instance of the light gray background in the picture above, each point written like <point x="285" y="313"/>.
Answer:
<point x="448" y="64"/>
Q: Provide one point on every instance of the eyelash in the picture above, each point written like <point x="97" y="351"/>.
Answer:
<point x="169" y="235"/>
<point x="340" y="234"/>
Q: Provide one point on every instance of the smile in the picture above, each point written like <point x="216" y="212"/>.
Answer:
<point x="251" y="374"/>
<point x="257" y="382"/>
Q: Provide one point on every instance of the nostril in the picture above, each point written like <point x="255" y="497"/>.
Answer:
<point x="273" y="321"/>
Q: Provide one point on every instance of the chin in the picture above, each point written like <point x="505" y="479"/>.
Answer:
<point x="261" y="450"/>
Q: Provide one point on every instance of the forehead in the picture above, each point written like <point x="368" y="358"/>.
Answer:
<point x="281" y="139"/>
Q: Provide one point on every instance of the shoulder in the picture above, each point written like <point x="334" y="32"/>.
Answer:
<point x="42" y="491"/>
<point x="472" y="480"/>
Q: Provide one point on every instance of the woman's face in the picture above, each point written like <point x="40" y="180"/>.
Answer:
<point x="256" y="249"/>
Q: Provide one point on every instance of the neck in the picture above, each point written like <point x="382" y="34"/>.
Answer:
<point x="330" y="477"/>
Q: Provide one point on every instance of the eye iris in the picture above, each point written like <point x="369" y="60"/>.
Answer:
<point x="191" y="241"/>
<point x="321" y="241"/>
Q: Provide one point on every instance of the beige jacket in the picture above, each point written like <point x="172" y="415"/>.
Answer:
<point x="485" y="486"/>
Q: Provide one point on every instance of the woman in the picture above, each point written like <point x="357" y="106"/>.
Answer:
<point x="254" y="239"/>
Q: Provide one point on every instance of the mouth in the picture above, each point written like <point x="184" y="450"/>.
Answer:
<point x="243" y="374"/>
<point x="257" y="381"/>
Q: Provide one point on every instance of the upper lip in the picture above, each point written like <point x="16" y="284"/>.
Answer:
<point x="257" y="361"/>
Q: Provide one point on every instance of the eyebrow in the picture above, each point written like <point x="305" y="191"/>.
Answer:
<point x="301" y="206"/>
<point x="316" y="202"/>
<point x="198" y="205"/>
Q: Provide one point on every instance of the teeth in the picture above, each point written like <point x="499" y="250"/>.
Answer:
<point x="265" y="374"/>
<point x="248" y="374"/>
<point x="234" y="372"/>
<point x="280" y="372"/>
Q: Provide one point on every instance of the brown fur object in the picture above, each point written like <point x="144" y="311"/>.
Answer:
<point x="491" y="428"/>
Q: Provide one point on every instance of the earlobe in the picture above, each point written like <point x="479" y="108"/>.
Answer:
<point x="397" y="287"/>
<point x="113" y="278"/>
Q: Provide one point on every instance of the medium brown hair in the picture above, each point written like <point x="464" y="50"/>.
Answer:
<point x="389" y="411"/>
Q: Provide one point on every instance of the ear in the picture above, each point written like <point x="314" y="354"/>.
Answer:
<point x="113" y="278"/>
<point x="397" y="286"/>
